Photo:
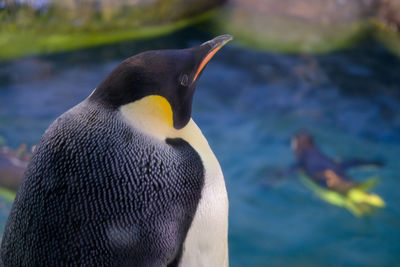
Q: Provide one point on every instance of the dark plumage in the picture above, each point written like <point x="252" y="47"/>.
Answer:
<point x="70" y="196"/>
<point x="99" y="191"/>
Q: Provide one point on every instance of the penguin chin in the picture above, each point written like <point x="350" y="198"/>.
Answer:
<point x="182" y="115"/>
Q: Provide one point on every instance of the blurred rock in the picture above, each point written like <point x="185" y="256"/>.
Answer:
<point x="305" y="25"/>
<point x="387" y="28"/>
<point x="293" y="26"/>
<point x="12" y="166"/>
<point x="389" y="13"/>
<point x="45" y="26"/>
<point x="42" y="26"/>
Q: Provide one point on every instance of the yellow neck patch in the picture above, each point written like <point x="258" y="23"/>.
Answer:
<point x="151" y="114"/>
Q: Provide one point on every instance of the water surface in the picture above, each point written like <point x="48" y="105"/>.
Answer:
<point x="248" y="105"/>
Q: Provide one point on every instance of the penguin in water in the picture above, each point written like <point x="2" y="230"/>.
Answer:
<point x="125" y="178"/>
<point x="329" y="180"/>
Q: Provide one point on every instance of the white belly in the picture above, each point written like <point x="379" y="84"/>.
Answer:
<point x="206" y="243"/>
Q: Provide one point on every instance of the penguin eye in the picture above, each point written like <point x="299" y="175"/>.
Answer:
<point x="184" y="80"/>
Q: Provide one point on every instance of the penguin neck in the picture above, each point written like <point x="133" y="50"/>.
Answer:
<point x="152" y="115"/>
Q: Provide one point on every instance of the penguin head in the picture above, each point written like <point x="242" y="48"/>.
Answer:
<point x="301" y="142"/>
<point x="166" y="78"/>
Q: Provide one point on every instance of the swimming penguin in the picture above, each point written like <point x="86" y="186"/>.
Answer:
<point x="125" y="178"/>
<point x="329" y="180"/>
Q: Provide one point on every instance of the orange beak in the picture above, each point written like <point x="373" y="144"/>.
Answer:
<point x="216" y="45"/>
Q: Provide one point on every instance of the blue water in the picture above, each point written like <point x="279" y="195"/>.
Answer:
<point x="248" y="105"/>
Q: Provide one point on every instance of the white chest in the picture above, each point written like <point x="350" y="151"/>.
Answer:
<point x="206" y="243"/>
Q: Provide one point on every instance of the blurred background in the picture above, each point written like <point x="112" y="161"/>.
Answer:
<point x="329" y="66"/>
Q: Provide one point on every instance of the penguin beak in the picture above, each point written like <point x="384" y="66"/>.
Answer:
<point x="211" y="48"/>
<point x="199" y="56"/>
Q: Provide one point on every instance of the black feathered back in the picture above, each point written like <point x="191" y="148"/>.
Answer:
<point x="99" y="193"/>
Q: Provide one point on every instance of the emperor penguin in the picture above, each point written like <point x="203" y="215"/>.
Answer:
<point x="126" y="177"/>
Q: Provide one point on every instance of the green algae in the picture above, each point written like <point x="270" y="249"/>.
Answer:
<point x="7" y="194"/>
<point x="57" y="26"/>
<point x="16" y="42"/>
